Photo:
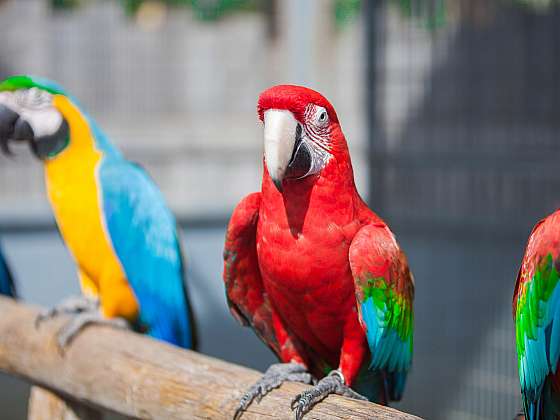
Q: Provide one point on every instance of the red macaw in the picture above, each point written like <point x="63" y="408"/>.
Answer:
<point x="317" y="274"/>
<point x="536" y="313"/>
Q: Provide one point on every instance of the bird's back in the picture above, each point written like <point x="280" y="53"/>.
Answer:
<point x="144" y="236"/>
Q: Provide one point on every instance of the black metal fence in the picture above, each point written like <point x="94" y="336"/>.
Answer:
<point x="464" y="112"/>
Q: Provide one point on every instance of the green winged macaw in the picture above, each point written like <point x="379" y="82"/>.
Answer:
<point x="318" y="275"/>
<point x="111" y="215"/>
<point x="536" y="313"/>
<point x="7" y="286"/>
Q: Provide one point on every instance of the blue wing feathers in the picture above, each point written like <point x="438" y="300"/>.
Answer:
<point x="6" y="280"/>
<point x="540" y="360"/>
<point x="555" y="341"/>
<point x="388" y="350"/>
<point x="397" y="382"/>
<point x="389" y="353"/>
<point x="144" y="237"/>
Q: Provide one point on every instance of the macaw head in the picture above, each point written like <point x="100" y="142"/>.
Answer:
<point x="28" y="113"/>
<point x="301" y="133"/>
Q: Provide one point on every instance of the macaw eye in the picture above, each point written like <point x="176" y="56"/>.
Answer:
<point x="322" y="117"/>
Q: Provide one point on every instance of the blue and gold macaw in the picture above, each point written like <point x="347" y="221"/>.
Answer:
<point x="111" y="215"/>
<point x="7" y="286"/>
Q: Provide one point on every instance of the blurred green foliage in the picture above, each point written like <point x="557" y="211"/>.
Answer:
<point x="64" y="4"/>
<point x="432" y="14"/>
<point x="204" y="9"/>
<point x="346" y="11"/>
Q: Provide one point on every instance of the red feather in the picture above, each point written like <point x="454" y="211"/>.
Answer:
<point x="296" y="249"/>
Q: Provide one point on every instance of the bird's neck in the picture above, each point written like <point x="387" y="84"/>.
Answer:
<point x="86" y="141"/>
<point x="322" y="199"/>
<point x="81" y="154"/>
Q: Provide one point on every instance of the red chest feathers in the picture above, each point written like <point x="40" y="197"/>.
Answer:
<point x="303" y="261"/>
<point x="307" y="276"/>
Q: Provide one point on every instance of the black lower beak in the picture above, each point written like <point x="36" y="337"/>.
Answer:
<point x="301" y="161"/>
<point x="47" y="146"/>
<point x="8" y="120"/>
<point x="12" y="128"/>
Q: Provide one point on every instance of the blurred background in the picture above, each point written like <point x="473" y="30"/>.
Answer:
<point x="451" y="109"/>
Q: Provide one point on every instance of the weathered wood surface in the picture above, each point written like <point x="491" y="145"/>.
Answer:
<point x="46" y="405"/>
<point x="140" y="377"/>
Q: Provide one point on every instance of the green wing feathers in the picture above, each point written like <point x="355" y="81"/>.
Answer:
<point x="385" y="292"/>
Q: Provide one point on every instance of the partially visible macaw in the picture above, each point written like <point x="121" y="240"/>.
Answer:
<point x="7" y="286"/>
<point x="536" y="313"/>
<point x="111" y="215"/>
<point x="319" y="276"/>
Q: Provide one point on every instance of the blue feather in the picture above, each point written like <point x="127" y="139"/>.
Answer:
<point x="389" y="352"/>
<point x="387" y="348"/>
<point x="540" y="359"/>
<point x="144" y="237"/>
<point x="6" y="280"/>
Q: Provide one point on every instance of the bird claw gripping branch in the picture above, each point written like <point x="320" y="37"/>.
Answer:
<point x="82" y="320"/>
<point x="333" y="383"/>
<point x="84" y="311"/>
<point x="274" y="376"/>
<point x="71" y="305"/>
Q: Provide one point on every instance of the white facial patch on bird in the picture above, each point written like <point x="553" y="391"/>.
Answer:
<point x="35" y="106"/>
<point x="316" y="134"/>
<point x="317" y="125"/>
<point x="319" y="156"/>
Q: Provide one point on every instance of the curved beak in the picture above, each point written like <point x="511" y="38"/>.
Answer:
<point x="12" y="128"/>
<point x="280" y="128"/>
<point x="45" y="129"/>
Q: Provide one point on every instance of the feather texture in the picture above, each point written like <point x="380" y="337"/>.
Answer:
<point x="384" y="291"/>
<point x="244" y="289"/>
<point x="536" y="311"/>
<point x="143" y="234"/>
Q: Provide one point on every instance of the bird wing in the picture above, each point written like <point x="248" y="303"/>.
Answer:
<point x="245" y="293"/>
<point x="536" y="311"/>
<point x="143" y="233"/>
<point x="384" y="292"/>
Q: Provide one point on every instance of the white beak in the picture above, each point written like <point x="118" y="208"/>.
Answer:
<point x="279" y="141"/>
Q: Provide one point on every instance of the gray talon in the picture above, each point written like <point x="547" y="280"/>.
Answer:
<point x="274" y="376"/>
<point x="71" y="305"/>
<point x="333" y="383"/>
<point x="82" y="320"/>
<point x="84" y="311"/>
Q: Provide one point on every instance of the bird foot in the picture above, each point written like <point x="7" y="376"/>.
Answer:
<point x="81" y="320"/>
<point x="274" y="376"/>
<point x="71" y="305"/>
<point x="333" y="383"/>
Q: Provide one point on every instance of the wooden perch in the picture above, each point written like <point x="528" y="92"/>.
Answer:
<point x="139" y="377"/>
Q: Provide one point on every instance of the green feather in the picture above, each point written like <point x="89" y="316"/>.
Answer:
<point x="400" y="316"/>
<point x="530" y="313"/>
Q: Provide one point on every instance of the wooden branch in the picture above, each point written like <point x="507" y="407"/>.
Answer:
<point x="46" y="405"/>
<point x="139" y="377"/>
